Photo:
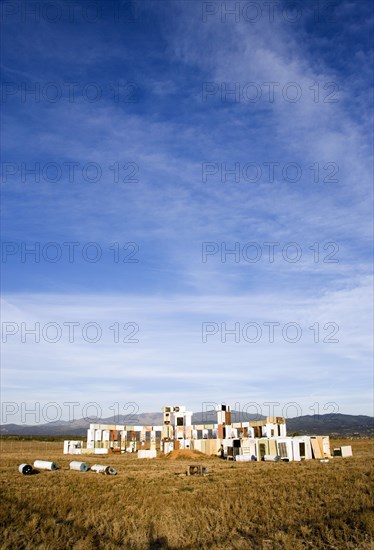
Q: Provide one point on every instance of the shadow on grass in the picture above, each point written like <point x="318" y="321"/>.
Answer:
<point x="158" y="543"/>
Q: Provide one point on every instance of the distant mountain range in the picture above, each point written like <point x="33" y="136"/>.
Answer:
<point x="343" y="425"/>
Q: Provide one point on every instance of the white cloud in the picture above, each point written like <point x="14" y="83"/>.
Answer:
<point x="171" y="354"/>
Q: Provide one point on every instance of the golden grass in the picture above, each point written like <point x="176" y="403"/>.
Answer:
<point x="307" y="505"/>
<point x="184" y="454"/>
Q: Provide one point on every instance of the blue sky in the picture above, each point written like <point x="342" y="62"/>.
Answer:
<point x="149" y="132"/>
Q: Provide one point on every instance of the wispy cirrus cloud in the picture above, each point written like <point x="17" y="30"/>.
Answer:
<point x="167" y="326"/>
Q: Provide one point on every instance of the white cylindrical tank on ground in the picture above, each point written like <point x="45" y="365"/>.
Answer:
<point x="45" y="465"/>
<point x="271" y="458"/>
<point x="80" y="466"/>
<point x="25" y="469"/>
<point x="101" y="469"/>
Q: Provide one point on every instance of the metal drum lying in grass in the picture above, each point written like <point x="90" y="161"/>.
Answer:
<point x="80" y="466"/>
<point x="45" y="465"/>
<point x="25" y="469"/>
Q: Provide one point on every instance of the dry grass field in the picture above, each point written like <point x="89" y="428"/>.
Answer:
<point x="307" y="505"/>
